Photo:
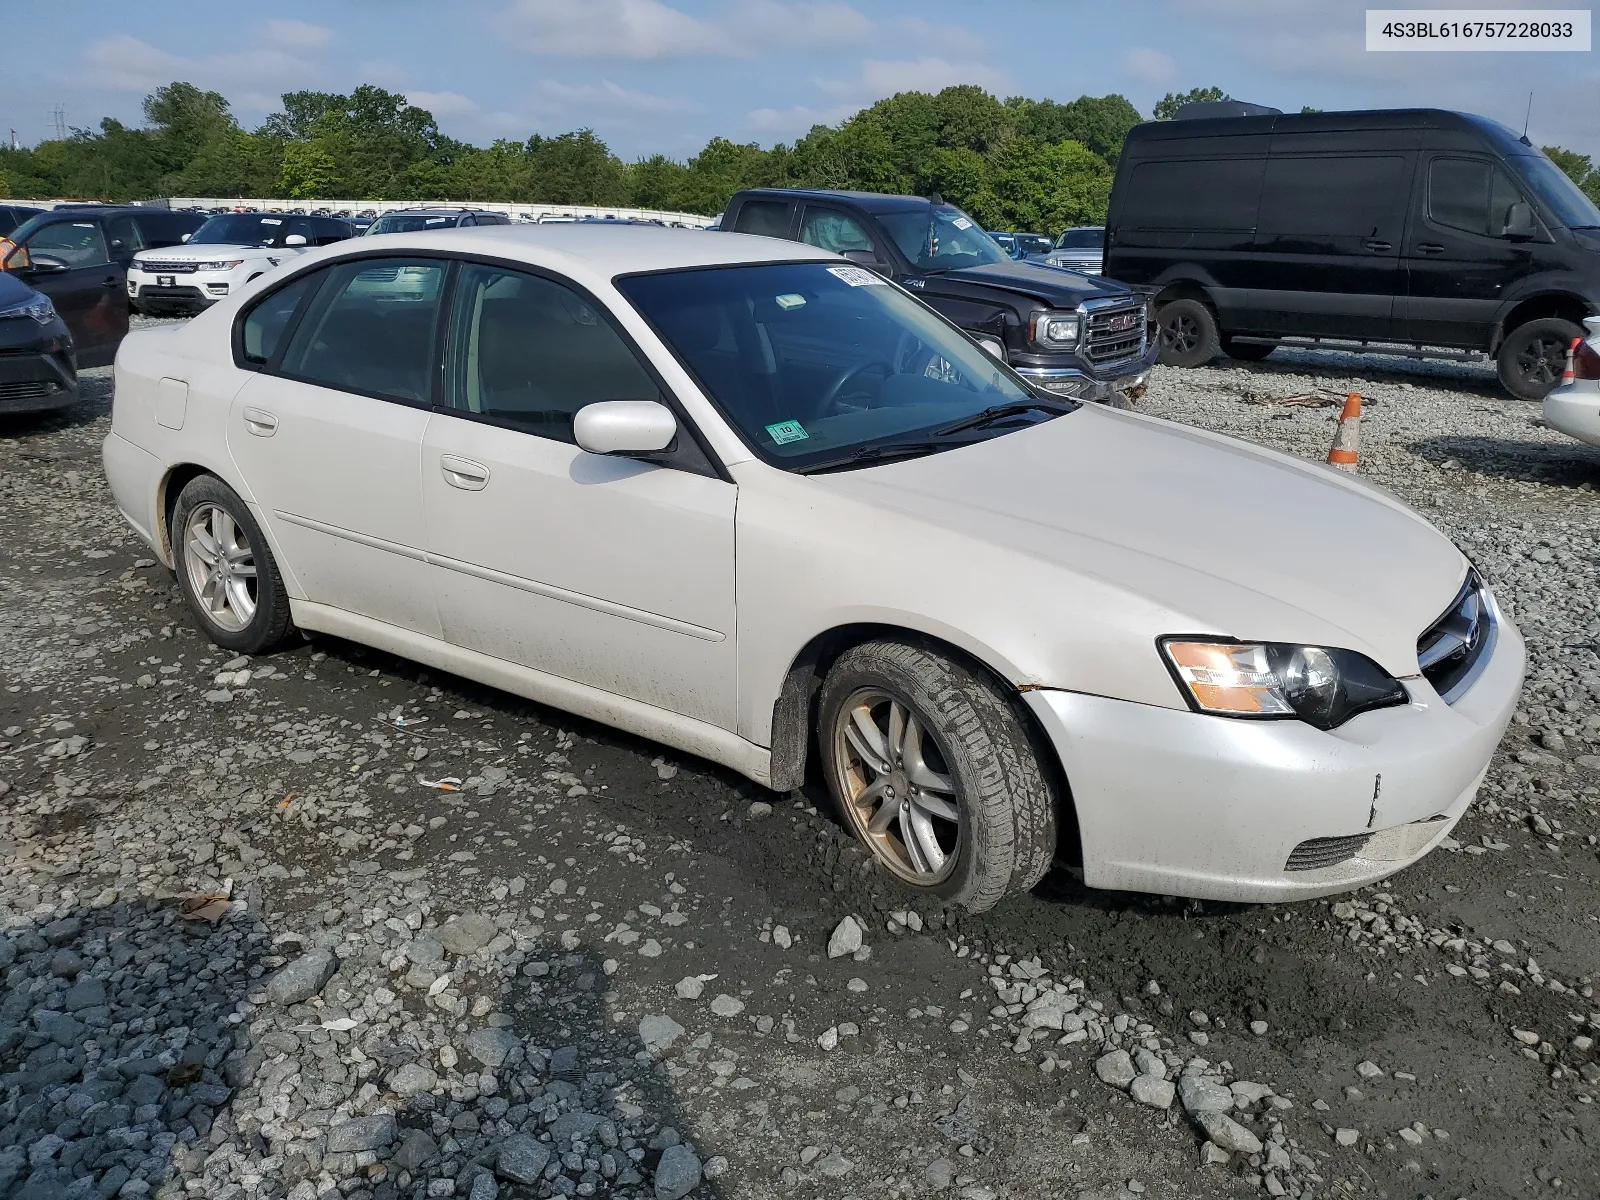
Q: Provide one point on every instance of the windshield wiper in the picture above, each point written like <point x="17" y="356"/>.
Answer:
<point x="998" y="412"/>
<point x="868" y="454"/>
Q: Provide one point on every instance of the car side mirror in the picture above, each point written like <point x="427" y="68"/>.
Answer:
<point x="295" y="239"/>
<point x="624" y="427"/>
<point x="867" y="259"/>
<point x="45" y="264"/>
<point x="186" y="237"/>
<point x="1520" y="225"/>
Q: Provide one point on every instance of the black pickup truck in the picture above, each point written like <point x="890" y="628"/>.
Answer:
<point x="1071" y="334"/>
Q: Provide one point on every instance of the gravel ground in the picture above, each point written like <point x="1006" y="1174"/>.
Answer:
<point x="249" y="951"/>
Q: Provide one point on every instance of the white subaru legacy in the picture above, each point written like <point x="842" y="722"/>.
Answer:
<point x="758" y="503"/>
<point x="223" y="255"/>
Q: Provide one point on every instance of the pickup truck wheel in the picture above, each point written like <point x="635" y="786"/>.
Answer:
<point x="1245" y="351"/>
<point x="1533" y="356"/>
<point x="225" y="571"/>
<point x="1188" y="333"/>
<point x="932" y="768"/>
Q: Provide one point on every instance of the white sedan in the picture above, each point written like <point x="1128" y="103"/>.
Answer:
<point x="758" y="503"/>
<point x="1573" y="406"/>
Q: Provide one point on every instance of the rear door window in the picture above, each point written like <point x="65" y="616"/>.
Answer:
<point x="768" y="218"/>
<point x="1353" y="196"/>
<point x="371" y="329"/>
<point x="1211" y="194"/>
<point x="263" y="326"/>
<point x="126" y="236"/>
<point x="1470" y="195"/>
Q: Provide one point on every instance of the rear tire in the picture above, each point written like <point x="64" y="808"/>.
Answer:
<point x="226" y="573"/>
<point x="1245" y="351"/>
<point x="1533" y="356"/>
<point x="1189" y="335"/>
<point x="932" y="768"/>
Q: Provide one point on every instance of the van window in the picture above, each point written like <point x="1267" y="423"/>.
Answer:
<point x="1217" y="194"/>
<point x="1333" y="197"/>
<point x="769" y="218"/>
<point x="1470" y="195"/>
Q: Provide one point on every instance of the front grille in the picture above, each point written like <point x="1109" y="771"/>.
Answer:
<point x="32" y="389"/>
<point x="167" y="268"/>
<point x="1115" y="332"/>
<point x="1316" y="853"/>
<point x="1450" y="648"/>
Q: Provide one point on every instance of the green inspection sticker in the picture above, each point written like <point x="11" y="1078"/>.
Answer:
<point x="785" y="432"/>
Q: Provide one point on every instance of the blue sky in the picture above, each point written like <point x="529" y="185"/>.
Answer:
<point x="665" y="75"/>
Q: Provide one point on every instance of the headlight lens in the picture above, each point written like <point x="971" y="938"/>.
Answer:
<point x="218" y="265"/>
<point x="39" y="308"/>
<point x="1055" y="330"/>
<point x="1319" y="685"/>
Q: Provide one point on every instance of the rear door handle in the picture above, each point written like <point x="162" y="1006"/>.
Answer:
<point x="1376" y="244"/>
<point x="260" y="422"/>
<point x="463" y="473"/>
<point x="1430" y="247"/>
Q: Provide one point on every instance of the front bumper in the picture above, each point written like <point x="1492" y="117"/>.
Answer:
<point x="1180" y="803"/>
<point x="1574" y="409"/>
<point x="1081" y="381"/>
<point x="37" y="369"/>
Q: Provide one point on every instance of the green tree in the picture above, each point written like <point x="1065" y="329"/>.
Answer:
<point x="1579" y="168"/>
<point x="309" y="171"/>
<point x="1044" y="189"/>
<point x="1098" y="123"/>
<point x="1167" y="107"/>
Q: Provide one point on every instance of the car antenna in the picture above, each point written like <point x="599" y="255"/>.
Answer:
<point x="1527" y="117"/>
<point x="935" y="198"/>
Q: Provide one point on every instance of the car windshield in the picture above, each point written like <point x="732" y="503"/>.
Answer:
<point x="1081" y="239"/>
<point x="1555" y="187"/>
<point x="815" y="363"/>
<point x="939" y="237"/>
<point x="248" y="229"/>
<point x="413" y="222"/>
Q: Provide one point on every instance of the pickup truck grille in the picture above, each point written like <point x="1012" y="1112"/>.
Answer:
<point x="1115" y="331"/>
<point x="1452" y="646"/>
<point x="166" y="268"/>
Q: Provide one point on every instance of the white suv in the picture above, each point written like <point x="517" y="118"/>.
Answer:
<point x="221" y="256"/>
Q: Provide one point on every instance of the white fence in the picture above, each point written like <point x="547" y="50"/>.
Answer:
<point x="528" y="211"/>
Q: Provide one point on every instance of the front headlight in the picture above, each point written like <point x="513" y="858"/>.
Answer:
<point x="1322" y="686"/>
<point x="39" y="308"/>
<point x="219" y="265"/>
<point x="1055" y="330"/>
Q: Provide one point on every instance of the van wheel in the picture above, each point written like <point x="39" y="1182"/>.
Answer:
<point x="931" y="766"/>
<point x="1188" y="333"/>
<point x="1533" y="356"/>
<point x="1245" y="351"/>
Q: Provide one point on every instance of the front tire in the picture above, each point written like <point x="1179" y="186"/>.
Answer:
<point x="932" y="768"/>
<point x="225" y="570"/>
<point x="1533" y="356"/>
<point x="1188" y="333"/>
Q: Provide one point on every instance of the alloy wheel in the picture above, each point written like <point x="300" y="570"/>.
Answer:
<point x="1542" y="360"/>
<point x="221" y="567"/>
<point x="1181" y="333"/>
<point x="899" y="793"/>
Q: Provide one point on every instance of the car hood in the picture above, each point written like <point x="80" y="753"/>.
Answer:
<point x="1226" y="537"/>
<point x="13" y="290"/>
<point x="211" y="251"/>
<point x="1037" y="281"/>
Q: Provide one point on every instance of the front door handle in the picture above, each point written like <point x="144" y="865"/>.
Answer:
<point x="260" y="422"/>
<point x="463" y="473"/>
<point x="1430" y="247"/>
<point x="1377" y="245"/>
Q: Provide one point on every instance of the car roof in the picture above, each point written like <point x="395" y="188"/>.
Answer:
<point x="1336" y="121"/>
<point x="433" y="212"/>
<point x="871" y="201"/>
<point x="603" y="249"/>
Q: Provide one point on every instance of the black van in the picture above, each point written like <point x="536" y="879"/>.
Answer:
<point x="1414" y="229"/>
<point x="1075" y="335"/>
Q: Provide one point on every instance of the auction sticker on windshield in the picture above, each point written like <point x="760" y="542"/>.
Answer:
<point x="856" y="276"/>
<point x="785" y="432"/>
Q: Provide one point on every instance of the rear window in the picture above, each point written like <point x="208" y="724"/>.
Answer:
<point x="768" y="218"/>
<point x="1082" y="239"/>
<point x="1214" y="194"/>
<point x="1349" y="196"/>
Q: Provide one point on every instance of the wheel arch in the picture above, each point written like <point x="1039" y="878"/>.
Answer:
<point x="173" y="481"/>
<point x="1567" y="305"/>
<point x="794" y="712"/>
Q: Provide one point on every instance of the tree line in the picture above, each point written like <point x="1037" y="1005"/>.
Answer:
<point x="1013" y="164"/>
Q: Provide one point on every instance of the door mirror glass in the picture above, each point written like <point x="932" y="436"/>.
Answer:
<point x="867" y="259"/>
<point x="295" y="239"/>
<point x="186" y="237"/>
<point x="625" y="427"/>
<point x="1519" y="224"/>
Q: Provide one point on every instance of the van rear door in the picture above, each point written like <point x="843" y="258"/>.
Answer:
<point x="1327" y="242"/>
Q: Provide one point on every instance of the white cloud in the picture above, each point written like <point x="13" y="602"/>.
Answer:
<point x="639" y="30"/>
<point x="940" y="39"/>
<point x="879" y="77"/>
<point x="298" y="35"/>
<point x="443" y="104"/>
<point x="610" y="97"/>
<point x="1149" y="66"/>
<point x="124" y="63"/>
<point x="796" y="120"/>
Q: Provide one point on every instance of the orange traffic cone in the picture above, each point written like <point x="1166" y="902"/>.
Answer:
<point x="1569" y="373"/>
<point x="1347" y="438"/>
